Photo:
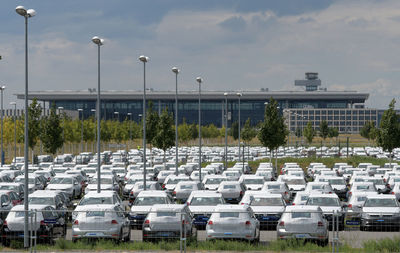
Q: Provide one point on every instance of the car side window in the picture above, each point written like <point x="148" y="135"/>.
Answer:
<point x="119" y="211"/>
<point x="4" y="199"/>
<point x="13" y="196"/>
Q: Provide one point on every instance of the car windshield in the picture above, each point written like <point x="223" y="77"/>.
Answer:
<point x="299" y="181"/>
<point x="361" y="199"/>
<point x="317" y="187"/>
<point x="119" y="170"/>
<point x="41" y="201"/>
<point x="253" y="181"/>
<point x="376" y="181"/>
<point x="321" y="201"/>
<point x="22" y="214"/>
<point x="297" y="215"/>
<point x="133" y="181"/>
<point x="380" y="203"/>
<point x="206" y="201"/>
<point x="60" y="180"/>
<point x="229" y="186"/>
<point x="229" y="215"/>
<point x="231" y="174"/>
<point x="22" y="180"/>
<point x="259" y="201"/>
<point x="174" y="180"/>
<point x="149" y="201"/>
<point x="89" y="171"/>
<point x="214" y="180"/>
<point x="363" y="187"/>
<point x="148" y="186"/>
<point x="8" y="187"/>
<point x="186" y="186"/>
<point x="95" y="201"/>
<point x="164" y="214"/>
<point x="103" y="180"/>
<point x="274" y="186"/>
<point x="336" y="181"/>
<point x="95" y="214"/>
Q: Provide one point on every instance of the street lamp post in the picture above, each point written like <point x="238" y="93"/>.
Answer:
<point x="15" y="131"/>
<point x="60" y="109"/>
<point x="2" y="88"/>
<point x="239" y="95"/>
<point x="79" y="112"/>
<point x="199" y="80"/>
<point x="176" y="71"/>
<point x="226" y="131"/>
<point x="144" y="59"/>
<point x="99" y="42"/>
<point x="26" y="14"/>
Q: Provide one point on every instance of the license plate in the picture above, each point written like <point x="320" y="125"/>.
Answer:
<point x="165" y="234"/>
<point x="227" y="233"/>
<point x="380" y="220"/>
<point x="92" y="234"/>
<point x="302" y="236"/>
<point x="20" y="235"/>
<point x="352" y="223"/>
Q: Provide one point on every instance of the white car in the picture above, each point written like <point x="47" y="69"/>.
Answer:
<point x="67" y="184"/>
<point x="202" y="204"/>
<point x="380" y="212"/>
<point x="233" y="222"/>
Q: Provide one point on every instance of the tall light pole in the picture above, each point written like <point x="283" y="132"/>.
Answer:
<point x="226" y="131"/>
<point x="26" y="14"/>
<point x="176" y="71"/>
<point x="239" y="95"/>
<point x="2" y="88"/>
<point x="60" y="109"/>
<point x="80" y="111"/>
<point x="99" y="42"/>
<point x="144" y="59"/>
<point x="15" y="131"/>
<point x="130" y="125"/>
<point x="199" y="80"/>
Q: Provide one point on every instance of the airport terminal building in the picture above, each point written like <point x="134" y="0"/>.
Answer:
<point x="252" y="103"/>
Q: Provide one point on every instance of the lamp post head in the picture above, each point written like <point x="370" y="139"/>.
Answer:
<point x="13" y="103"/>
<point x="2" y="87"/>
<point x="116" y="112"/>
<point x="60" y="108"/>
<point x="31" y="13"/>
<point x="140" y="115"/>
<point x="239" y="94"/>
<point x="175" y="70"/>
<point x="93" y="110"/>
<point x="226" y="94"/>
<point x="129" y="114"/>
<point x="265" y="103"/>
<point x="97" y="40"/>
<point x="24" y="12"/>
<point x="199" y="80"/>
<point x="143" y="58"/>
<point x="79" y="110"/>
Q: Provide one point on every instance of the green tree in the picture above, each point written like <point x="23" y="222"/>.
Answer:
<point x="105" y="131"/>
<point x="248" y="132"/>
<point x="369" y="131"/>
<point x="152" y="120"/>
<point x="333" y="132"/>
<point x="298" y="132"/>
<point x="323" y="129"/>
<point x="234" y="130"/>
<point x="388" y="134"/>
<point x="184" y="134"/>
<point x="34" y="125"/>
<point x="51" y="135"/>
<point x="273" y="130"/>
<point x="194" y="131"/>
<point x="165" y="134"/>
<point x="309" y="132"/>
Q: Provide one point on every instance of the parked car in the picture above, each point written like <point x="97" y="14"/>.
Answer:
<point x="303" y="222"/>
<point x="167" y="221"/>
<point x="232" y="191"/>
<point x="268" y="209"/>
<point x="101" y="221"/>
<point x="233" y="222"/>
<point x="380" y="212"/>
<point x="202" y="204"/>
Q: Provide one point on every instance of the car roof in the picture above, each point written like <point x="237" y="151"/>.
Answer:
<point x="167" y="207"/>
<point x="223" y="207"/>
<point x="322" y="195"/>
<point x="31" y="207"/>
<point x="302" y="208"/>
<point x="43" y="193"/>
<point x="152" y="193"/>
<point x="381" y="196"/>
<point x="206" y="193"/>
<point x="101" y="194"/>
<point x="102" y="207"/>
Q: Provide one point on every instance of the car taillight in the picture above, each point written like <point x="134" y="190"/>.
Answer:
<point x="330" y="192"/>
<point x="293" y="204"/>
<point x="132" y="192"/>
<point x="187" y="203"/>
<point x="349" y="193"/>
<point x="350" y="206"/>
<point x="114" y="222"/>
<point x="241" y="193"/>
<point x="76" y="222"/>
<point x="210" y="222"/>
<point x="146" y="222"/>
<point x="163" y="186"/>
<point x="5" y="223"/>
<point x="282" y="223"/>
<point x="320" y="224"/>
<point x="174" y="193"/>
<point x="286" y="193"/>
<point x="248" y="223"/>
<point x="392" y="193"/>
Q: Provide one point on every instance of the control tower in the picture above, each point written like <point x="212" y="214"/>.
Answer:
<point x="311" y="82"/>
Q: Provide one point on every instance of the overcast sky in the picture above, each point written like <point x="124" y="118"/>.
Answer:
<point x="232" y="44"/>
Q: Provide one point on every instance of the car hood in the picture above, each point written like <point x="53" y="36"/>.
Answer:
<point x="297" y="187"/>
<point x="338" y="187"/>
<point x="268" y="209"/>
<point x="211" y="186"/>
<point x="201" y="209"/>
<point x="140" y="209"/>
<point x="102" y="186"/>
<point x="381" y="210"/>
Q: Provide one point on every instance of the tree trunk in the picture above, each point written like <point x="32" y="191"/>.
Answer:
<point x="270" y="157"/>
<point x="276" y="159"/>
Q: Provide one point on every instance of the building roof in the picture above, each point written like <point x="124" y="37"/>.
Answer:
<point x="356" y="97"/>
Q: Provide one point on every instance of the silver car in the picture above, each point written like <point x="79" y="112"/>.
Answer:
<point x="184" y="188"/>
<point x="101" y="221"/>
<point x="303" y="222"/>
<point x="67" y="184"/>
<point x="231" y="191"/>
<point x="233" y="222"/>
<point x="167" y="221"/>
